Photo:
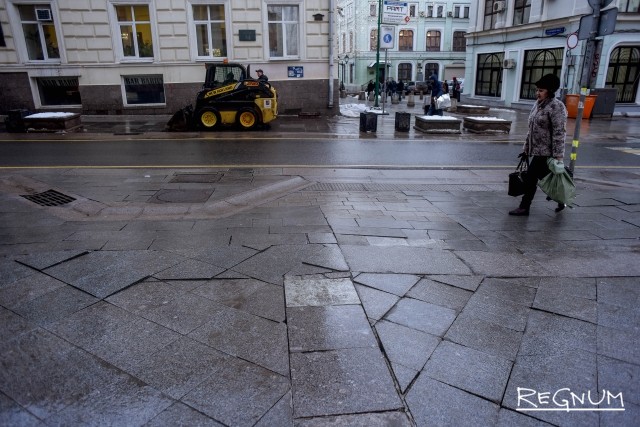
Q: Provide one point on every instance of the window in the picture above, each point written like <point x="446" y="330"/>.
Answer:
<point x="433" y="41"/>
<point x="490" y="16"/>
<point x="405" y="71"/>
<point x="58" y="90"/>
<point x="521" y="11"/>
<point x="283" y="30"/>
<point x="537" y="63"/>
<point x="405" y="40"/>
<point x="489" y="74"/>
<point x="373" y="9"/>
<point x="2" y="42"/>
<point x="412" y="10"/>
<point x="629" y="6"/>
<point x="211" y="30"/>
<point x="350" y="41"/>
<point x="135" y="31"/>
<point x="344" y="42"/>
<point x="431" y="68"/>
<point x="39" y="32"/>
<point x="147" y="89"/>
<point x="623" y="72"/>
<point x="430" y="11"/>
<point x="459" y="43"/>
<point x="440" y="11"/>
<point x="373" y="39"/>
<point x="461" y="11"/>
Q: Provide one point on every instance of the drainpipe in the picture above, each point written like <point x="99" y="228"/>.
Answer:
<point x="331" y="11"/>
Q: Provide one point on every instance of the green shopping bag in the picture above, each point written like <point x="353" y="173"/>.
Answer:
<point x="558" y="185"/>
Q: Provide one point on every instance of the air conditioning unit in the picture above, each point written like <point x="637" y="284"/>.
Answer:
<point x="499" y="6"/>
<point x="422" y="14"/>
<point x="508" y="64"/>
<point x="43" y="14"/>
<point x="450" y="14"/>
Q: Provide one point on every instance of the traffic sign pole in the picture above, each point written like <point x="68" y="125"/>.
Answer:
<point x="378" y="55"/>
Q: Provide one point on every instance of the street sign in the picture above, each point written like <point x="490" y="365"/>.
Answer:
<point x="606" y="25"/>
<point x="599" y="4"/>
<point x="554" y="31"/>
<point x="387" y="37"/>
<point x="572" y="40"/>
<point x="394" y="12"/>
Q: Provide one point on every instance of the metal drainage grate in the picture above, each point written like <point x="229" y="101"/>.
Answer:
<point x="49" y="198"/>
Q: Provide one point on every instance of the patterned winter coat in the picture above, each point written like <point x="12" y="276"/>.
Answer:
<point x="547" y="129"/>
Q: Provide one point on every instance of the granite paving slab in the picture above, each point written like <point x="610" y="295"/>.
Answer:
<point x="328" y="328"/>
<point x="434" y="403"/>
<point x="507" y="418"/>
<point x="614" y="316"/>
<point x="470" y="370"/>
<point x="181" y="414"/>
<point x="499" y="264"/>
<point x="469" y="283"/>
<point x="375" y="303"/>
<point x="103" y="273"/>
<point x="395" y="419"/>
<point x="54" y="305"/>
<point x="12" y="414"/>
<point x="405" y="346"/>
<point x="280" y="414"/>
<point x="189" y="269"/>
<point x="619" y="291"/>
<point x="145" y="296"/>
<point x="614" y="342"/>
<point x="422" y="316"/>
<point x="618" y="376"/>
<point x="13" y="325"/>
<point x="487" y="337"/>
<point x="300" y="291"/>
<point x="548" y="333"/>
<point x="28" y="288"/>
<point x="628" y="418"/>
<point x="404" y="376"/>
<point x="505" y="313"/>
<point x="591" y="264"/>
<point x="42" y="260"/>
<point x="506" y="289"/>
<point x="437" y="293"/>
<point x="397" y="284"/>
<point x="179" y="367"/>
<point x="249" y="337"/>
<point x="401" y="259"/>
<point x="566" y="304"/>
<point x="239" y="395"/>
<point x="10" y="271"/>
<point x="334" y="383"/>
<point x="184" y="313"/>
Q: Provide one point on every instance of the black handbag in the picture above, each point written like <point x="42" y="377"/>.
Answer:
<point x="516" y="178"/>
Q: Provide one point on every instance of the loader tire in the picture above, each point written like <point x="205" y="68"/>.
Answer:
<point x="208" y="119"/>
<point x="247" y="119"/>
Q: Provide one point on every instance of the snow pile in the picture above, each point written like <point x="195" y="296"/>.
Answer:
<point x="50" y="115"/>
<point x="352" y="110"/>
<point x="487" y="119"/>
<point x="439" y="118"/>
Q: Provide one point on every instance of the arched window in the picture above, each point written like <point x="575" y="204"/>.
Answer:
<point x="405" y="40"/>
<point x="537" y="63"/>
<point x="373" y="39"/>
<point x="623" y="72"/>
<point x="489" y="74"/>
<point x="433" y="41"/>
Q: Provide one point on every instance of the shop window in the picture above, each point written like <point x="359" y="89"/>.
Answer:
<point x="58" y="91"/>
<point x="145" y="89"/>
<point x="623" y="73"/>
<point x="537" y="63"/>
<point x="489" y="74"/>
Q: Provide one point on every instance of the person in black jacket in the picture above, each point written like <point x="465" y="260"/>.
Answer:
<point x="261" y="75"/>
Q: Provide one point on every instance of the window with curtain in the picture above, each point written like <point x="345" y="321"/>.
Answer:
<point x="211" y="30"/>
<point x="459" y="42"/>
<point x="489" y="74"/>
<point x="433" y="41"/>
<point x="623" y="73"/>
<point x="135" y="30"/>
<point x="405" y="40"/>
<point x="39" y="31"/>
<point x="521" y="10"/>
<point x="537" y="63"/>
<point x="284" y="24"/>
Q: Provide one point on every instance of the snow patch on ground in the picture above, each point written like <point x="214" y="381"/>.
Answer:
<point x="49" y="115"/>
<point x="438" y="118"/>
<point x="487" y="119"/>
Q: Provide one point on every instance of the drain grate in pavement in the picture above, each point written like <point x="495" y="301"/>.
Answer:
<point x="49" y="198"/>
<point x="342" y="186"/>
<point x="204" y="178"/>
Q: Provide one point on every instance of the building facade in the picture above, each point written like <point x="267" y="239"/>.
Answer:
<point x="512" y="43"/>
<point x="149" y="56"/>
<point x="432" y="39"/>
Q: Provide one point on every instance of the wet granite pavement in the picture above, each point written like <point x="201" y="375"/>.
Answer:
<point x="309" y="297"/>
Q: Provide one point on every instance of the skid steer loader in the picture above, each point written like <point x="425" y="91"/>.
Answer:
<point x="229" y="97"/>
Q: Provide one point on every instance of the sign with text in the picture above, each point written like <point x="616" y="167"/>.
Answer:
<point x="295" y="72"/>
<point x="394" y="12"/>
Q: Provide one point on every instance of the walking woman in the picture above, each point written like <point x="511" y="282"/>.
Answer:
<point x="545" y="138"/>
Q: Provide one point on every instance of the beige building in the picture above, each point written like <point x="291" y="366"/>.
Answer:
<point x="149" y="56"/>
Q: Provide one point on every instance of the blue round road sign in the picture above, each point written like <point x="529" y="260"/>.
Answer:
<point x="387" y="38"/>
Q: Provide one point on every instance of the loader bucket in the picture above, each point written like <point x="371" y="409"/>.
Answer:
<point x="181" y="120"/>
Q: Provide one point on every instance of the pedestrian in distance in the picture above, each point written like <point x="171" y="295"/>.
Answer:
<point x="445" y="87"/>
<point x="545" y="139"/>
<point x="261" y="75"/>
<point x="456" y="89"/>
<point x="400" y="89"/>
<point x="370" y="87"/>
<point x="436" y="92"/>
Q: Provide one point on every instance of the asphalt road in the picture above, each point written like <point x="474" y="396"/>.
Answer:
<point x="261" y="150"/>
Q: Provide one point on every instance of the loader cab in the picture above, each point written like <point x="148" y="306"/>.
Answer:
<point x="223" y="74"/>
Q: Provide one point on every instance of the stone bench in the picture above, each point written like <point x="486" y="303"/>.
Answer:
<point x="471" y="109"/>
<point x="486" y="124"/>
<point x="437" y="124"/>
<point x="52" y="122"/>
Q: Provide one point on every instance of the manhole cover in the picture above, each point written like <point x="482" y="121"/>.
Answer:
<point x="49" y="198"/>
<point x="196" y="178"/>
<point x="181" y="196"/>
